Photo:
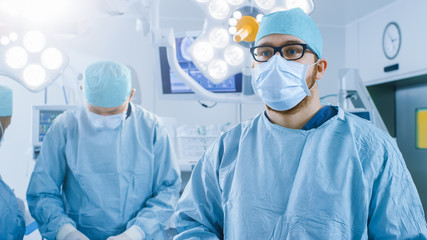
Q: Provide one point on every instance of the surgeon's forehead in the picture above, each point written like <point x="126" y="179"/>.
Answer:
<point x="278" y="40"/>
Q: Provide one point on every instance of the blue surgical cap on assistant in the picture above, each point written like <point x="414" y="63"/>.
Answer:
<point x="107" y="84"/>
<point x="292" y="22"/>
<point x="6" y="98"/>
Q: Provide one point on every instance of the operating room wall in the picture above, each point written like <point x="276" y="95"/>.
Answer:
<point x="364" y="48"/>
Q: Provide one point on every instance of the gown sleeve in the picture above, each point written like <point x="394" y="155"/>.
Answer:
<point x="395" y="211"/>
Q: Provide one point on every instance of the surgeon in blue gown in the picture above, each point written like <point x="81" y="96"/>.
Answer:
<point x="106" y="170"/>
<point x="299" y="170"/>
<point x="12" y="224"/>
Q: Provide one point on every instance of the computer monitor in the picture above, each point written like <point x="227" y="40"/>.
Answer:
<point x="43" y="116"/>
<point x="172" y="85"/>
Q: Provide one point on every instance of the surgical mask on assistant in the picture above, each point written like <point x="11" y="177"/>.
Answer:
<point x="109" y="121"/>
<point x="281" y="83"/>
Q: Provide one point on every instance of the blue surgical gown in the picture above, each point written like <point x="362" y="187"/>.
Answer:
<point x="342" y="180"/>
<point x="104" y="181"/>
<point x="12" y="224"/>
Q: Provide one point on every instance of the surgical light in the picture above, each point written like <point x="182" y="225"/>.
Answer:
<point x="4" y="41"/>
<point x="52" y="58"/>
<point x="219" y="37"/>
<point x="34" y="41"/>
<point x="247" y="28"/>
<point x="13" y="36"/>
<point x="230" y="29"/>
<point x="232" y="22"/>
<point x="218" y="69"/>
<point x="306" y="5"/>
<point x="235" y="2"/>
<point x="237" y="15"/>
<point x="203" y="51"/>
<point x="234" y="55"/>
<point x="265" y="4"/>
<point x="31" y="59"/>
<point x="34" y="75"/>
<point x="16" y="57"/>
<point x="219" y="9"/>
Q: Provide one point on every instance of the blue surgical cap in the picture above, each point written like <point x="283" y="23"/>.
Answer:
<point x="107" y="84"/>
<point x="5" y="101"/>
<point x="292" y="22"/>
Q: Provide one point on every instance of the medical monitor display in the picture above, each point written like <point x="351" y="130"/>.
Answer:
<point x="171" y="84"/>
<point x="46" y="119"/>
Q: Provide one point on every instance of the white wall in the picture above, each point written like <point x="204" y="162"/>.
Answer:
<point x="333" y="51"/>
<point x="364" y="42"/>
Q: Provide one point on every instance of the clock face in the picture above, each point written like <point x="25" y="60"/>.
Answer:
<point x="391" y="40"/>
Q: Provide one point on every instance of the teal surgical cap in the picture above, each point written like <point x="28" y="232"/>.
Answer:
<point x="107" y="84"/>
<point x="292" y="22"/>
<point x="5" y="101"/>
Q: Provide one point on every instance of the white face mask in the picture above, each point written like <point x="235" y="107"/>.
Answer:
<point x="110" y="121"/>
<point x="281" y="83"/>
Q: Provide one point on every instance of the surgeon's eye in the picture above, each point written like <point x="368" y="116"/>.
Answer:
<point x="292" y="52"/>
<point x="263" y="53"/>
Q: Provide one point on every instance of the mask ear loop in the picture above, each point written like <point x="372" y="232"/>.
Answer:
<point x="316" y="80"/>
<point x="2" y="131"/>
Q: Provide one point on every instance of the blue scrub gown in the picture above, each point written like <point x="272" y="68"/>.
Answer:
<point x="111" y="179"/>
<point x="12" y="223"/>
<point x="344" y="179"/>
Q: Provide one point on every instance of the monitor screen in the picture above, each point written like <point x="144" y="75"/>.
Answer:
<point x="171" y="83"/>
<point x="46" y="119"/>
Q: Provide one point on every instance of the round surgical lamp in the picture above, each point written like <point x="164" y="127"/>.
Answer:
<point x="34" y="75"/>
<point x="218" y="69"/>
<point x="235" y="2"/>
<point x="219" y="37"/>
<point x="234" y="55"/>
<point x="13" y="36"/>
<point x="4" y="41"/>
<point x="307" y="6"/>
<point x="16" y="57"/>
<point x="265" y="4"/>
<point x="52" y="58"/>
<point x="34" y="41"/>
<point x="219" y="9"/>
<point x="203" y="51"/>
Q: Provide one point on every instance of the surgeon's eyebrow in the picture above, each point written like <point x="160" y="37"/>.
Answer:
<point x="282" y="43"/>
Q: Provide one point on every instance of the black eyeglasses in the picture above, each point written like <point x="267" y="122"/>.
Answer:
<point x="290" y="52"/>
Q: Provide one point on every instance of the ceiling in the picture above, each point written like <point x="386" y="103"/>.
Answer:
<point x="342" y="12"/>
<point x="326" y="12"/>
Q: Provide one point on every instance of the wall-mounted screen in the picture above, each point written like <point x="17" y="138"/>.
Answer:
<point x="171" y="84"/>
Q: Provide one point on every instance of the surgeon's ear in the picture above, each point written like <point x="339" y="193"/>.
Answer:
<point x="321" y="68"/>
